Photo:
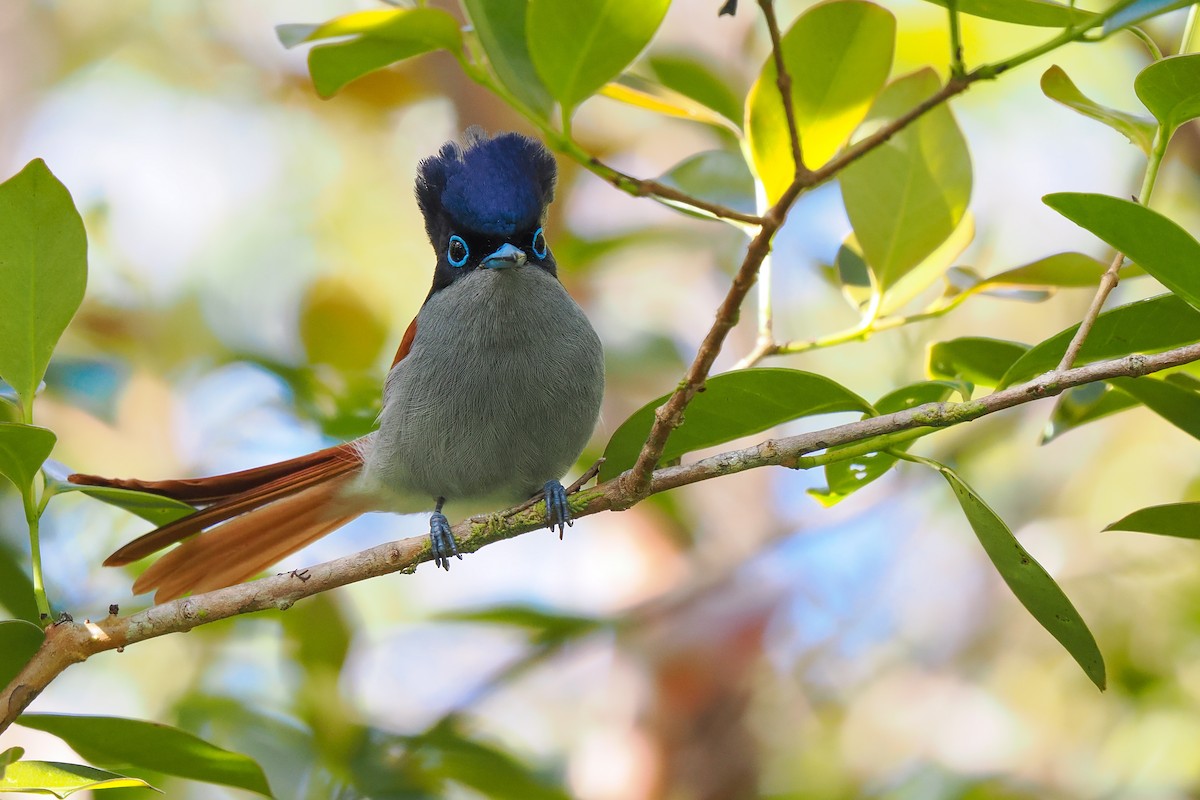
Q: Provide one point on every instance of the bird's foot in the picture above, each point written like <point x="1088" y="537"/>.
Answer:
<point x="558" y="512"/>
<point x="441" y="540"/>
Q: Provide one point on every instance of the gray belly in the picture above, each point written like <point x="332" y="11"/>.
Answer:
<point x="498" y="395"/>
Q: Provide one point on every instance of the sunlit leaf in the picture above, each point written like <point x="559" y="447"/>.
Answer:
<point x="1139" y="11"/>
<point x="500" y="25"/>
<point x="383" y="37"/>
<point x="641" y="93"/>
<point x="9" y="756"/>
<point x="578" y="47"/>
<point x="906" y="197"/>
<point x="838" y="56"/>
<point x="1170" y="88"/>
<point x="846" y="477"/>
<point x="733" y="405"/>
<point x="118" y="743"/>
<point x="151" y="507"/>
<point x="692" y="77"/>
<point x="1146" y="326"/>
<point x="1037" y="13"/>
<point x="23" y="448"/>
<point x="1157" y="244"/>
<point x="1173" y="519"/>
<point x="1032" y="585"/>
<point x="973" y="358"/>
<point x="1138" y="130"/>
<point x="1178" y="405"/>
<point x="43" y="273"/>
<point x="19" y="640"/>
<point x="717" y="176"/>
<point x="61" y="780"/>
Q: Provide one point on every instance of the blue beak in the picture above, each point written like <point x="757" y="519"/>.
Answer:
<point x="507" y="256"/>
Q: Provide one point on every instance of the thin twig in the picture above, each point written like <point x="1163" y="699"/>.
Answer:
<point x="1108" y="282"/>
<point x="73" y="642"/>
<point x="669" y="415"/>
<point x="783" y="80"/>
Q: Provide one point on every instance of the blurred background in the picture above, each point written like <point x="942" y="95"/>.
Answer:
<point x="255" y="256"/>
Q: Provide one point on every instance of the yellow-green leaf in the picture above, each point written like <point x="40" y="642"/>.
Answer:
<point x="838" y="56"/>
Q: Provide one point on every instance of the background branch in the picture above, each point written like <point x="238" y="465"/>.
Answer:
<point x="70" y="642"/>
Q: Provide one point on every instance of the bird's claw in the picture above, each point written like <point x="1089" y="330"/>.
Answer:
<point x="558" y="511"/>
<point x="441" y="541"/>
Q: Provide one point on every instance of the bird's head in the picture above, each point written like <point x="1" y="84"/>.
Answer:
<point x="484" y="204"/>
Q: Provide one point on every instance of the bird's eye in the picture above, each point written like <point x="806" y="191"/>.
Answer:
<point x="457" y="251"/>
<point x="539" y="243"/>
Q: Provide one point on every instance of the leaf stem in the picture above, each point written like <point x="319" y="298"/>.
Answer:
<point x="783" y="81"/>
<point x="33" y="518"/>
<point x="957" y="68"/>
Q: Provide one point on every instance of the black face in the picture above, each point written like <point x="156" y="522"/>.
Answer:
<point x="464" y="252"/>
<point x="487" y="197"/>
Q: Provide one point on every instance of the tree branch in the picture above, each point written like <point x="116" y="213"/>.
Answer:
<point x="783" y="80"/>
<point x="70" y="643"/>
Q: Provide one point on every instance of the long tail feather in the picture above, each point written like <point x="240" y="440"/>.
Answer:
<point x="241" y="548"/>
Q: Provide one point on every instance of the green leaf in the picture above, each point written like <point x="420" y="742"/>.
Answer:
<point x="16" y="587"/>
<point x="1080" y="405"/>
<point x="582" y="45"/>
<point x="1036" y="13"/>
<point x="383" y="38"/>
<point x="930" y="269"/>
<point x="1177" y="405"/>
<point x="1063" y="270"/>
<point x="23" y="448"/>
<point x="838" y="55"/>
<point x="1173" y="519"/>
<point x="61" y="780"/>
<point x="717" y="176"/>
<point x="151" y="507"/>
<point x="9" y="756"/>
<point x="1139" y="11"/>
<point x="1146" y="326"/>
<point x="1157" y="244"/>
<point x="339" y="328"/>
<point x="117" y="743"/>
<point x="1138" y="130"/>
<point x="695" y="79"/>
<point x="857" y="282"/>
<point x="500" y="25"/>
<point x="1170" y="88"/>
<point x="732" y="405"/>
<point x="642" y="93"/>
<point x="320" y="632"/>
<point x="43" y="273"/>
<point x="906" y="198"/>
<point x="846" y="477"/>
<point x="976" y="359"/>
<point x="544" y="627"/>
<point x="19" y="640"/>
<point x="1032" y="585"/>
<point x="492" y="772"/>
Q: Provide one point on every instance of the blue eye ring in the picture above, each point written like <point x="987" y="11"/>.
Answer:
<point x="457" y="256"/>
<point x="539" y="243"/>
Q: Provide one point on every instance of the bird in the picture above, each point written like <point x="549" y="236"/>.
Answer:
<point x="494" y="392"/>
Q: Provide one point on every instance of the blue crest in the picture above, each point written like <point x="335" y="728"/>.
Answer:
<point x="492" y="186"/>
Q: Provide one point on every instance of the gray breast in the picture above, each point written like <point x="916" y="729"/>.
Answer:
<point x="498" y="395"/>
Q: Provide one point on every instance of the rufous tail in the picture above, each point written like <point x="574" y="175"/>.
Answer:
<point x="260" y="516"/>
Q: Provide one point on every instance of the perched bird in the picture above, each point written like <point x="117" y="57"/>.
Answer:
<point x="493" y="394"/>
